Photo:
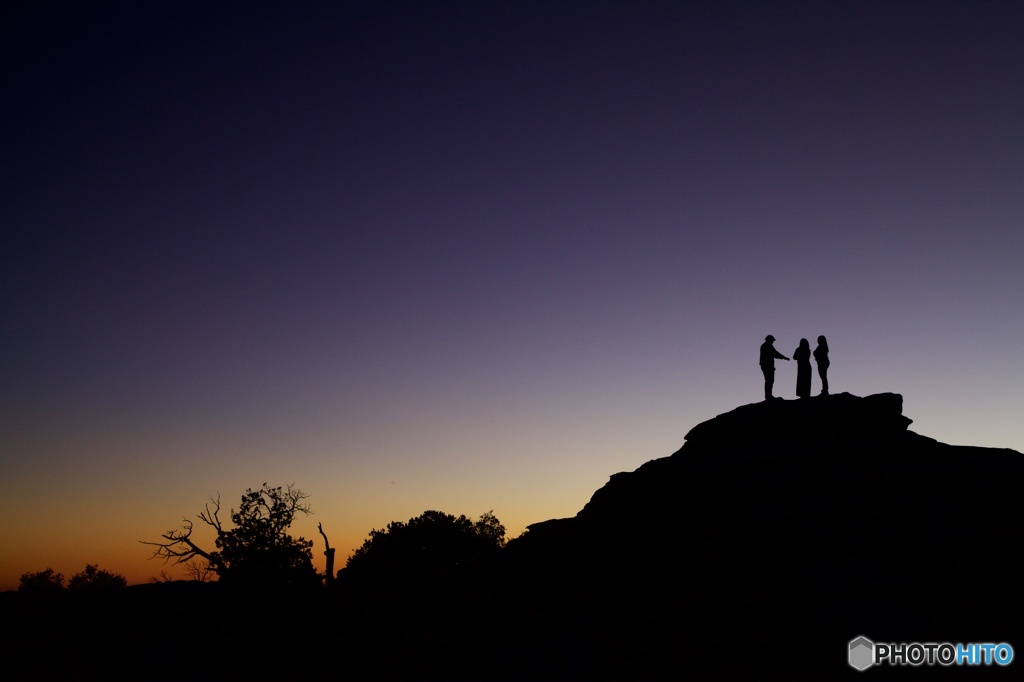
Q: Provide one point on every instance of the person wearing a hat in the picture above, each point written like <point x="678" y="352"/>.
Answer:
<point x="768" y="355"/>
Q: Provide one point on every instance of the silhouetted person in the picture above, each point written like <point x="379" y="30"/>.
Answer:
<point x="767" y="362"/>
<point x="802" y="355"/>
<point x="821" y="357"/>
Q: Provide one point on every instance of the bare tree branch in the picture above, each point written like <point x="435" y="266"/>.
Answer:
<point x="294" y="498"/>
<point x="200" y="571"/>
<point x="328" y="552"/>
<point x="179" y="547"/>
<point x="212" y="518"/>
<point x="320" y="527"/>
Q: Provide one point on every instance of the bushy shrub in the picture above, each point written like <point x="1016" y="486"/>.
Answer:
<point x="42" y="582"/>
<point x="95" y="579"/>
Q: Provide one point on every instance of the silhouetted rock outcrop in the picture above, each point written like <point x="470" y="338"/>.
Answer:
<point x="780" y="531"/>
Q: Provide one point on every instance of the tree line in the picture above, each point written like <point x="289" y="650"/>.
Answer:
<point x="254" y="549"/>
<point x="90" y="579"/>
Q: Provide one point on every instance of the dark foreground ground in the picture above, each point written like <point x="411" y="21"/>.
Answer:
<point x="196" y="632"/>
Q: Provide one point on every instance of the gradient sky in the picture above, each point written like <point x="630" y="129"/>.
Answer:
<point x="475" y="256"/>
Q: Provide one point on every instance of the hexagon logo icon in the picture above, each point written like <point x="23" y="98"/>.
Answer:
<point x="862" y="653"/>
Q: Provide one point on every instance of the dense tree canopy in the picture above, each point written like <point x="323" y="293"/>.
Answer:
<point x="431" y="547"/>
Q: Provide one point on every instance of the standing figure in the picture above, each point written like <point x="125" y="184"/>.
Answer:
<point x="821" y="357"/>
<point x="802" y="355"/>
<point x="767" y="362"/>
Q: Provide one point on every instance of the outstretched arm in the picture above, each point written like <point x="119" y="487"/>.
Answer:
<point x="780" y="356"/>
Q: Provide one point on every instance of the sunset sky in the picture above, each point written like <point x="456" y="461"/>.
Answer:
<point x="475" y="256"/>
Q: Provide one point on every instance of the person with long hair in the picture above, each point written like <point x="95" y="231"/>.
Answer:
<point x="821" y="357"/>
<point x="802" y="355"/>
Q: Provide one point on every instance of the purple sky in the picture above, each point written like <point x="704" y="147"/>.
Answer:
<point x="473" y="256"/>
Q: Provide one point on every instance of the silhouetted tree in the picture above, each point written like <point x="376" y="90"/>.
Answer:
<point x="490" y="529"/>
<point x="200" y="570"/>
<point x="431" y="547"/>
<point x="42" y="582"/>
<point x="164" y="577"/>
<point x="95" y="579"/>
<point x="258" y="551"/>
<point x="328" y="554"/>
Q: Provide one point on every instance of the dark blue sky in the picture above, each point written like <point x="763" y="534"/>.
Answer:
<point x="477" y="256"/>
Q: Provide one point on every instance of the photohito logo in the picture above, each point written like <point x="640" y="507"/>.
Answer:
<point x="863" y="653"/>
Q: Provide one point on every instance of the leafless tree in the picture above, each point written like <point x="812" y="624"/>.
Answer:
<point x="177" y="545"/>
<point x="164" y="577"/>
<point x="329" y="553"/>
<point x="200" y="570"/>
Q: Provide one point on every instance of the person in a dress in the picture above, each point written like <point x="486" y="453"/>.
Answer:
<point x="802" y="355"/>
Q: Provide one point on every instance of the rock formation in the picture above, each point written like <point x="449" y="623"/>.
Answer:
<point x="779" y="532"/>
